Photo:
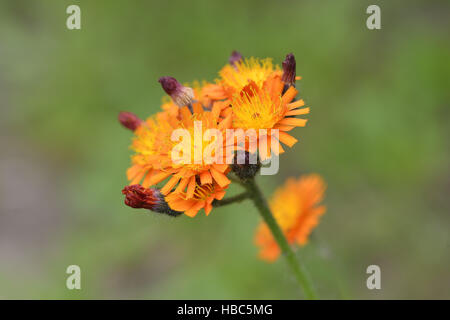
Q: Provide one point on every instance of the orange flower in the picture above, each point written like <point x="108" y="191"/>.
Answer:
<point x="260" y="96"/>
<point x="201" y="197"/>
<point x="154" y="146"/>
<point x="296" y="210"/>
<point x="268" y="108"/>
<point x="239" y="73"/>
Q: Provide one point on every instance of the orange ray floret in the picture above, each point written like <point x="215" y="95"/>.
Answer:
<point x="201" y="197"/>
<point x="296" y="209"/>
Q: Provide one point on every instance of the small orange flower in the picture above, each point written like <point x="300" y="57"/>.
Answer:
<point x="202" y="196"/>
<point x="296" y="210"/>
<point x="239" y="73"/>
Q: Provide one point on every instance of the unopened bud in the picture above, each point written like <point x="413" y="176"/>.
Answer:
<point x="181" y="95"/>
<point x="289" y="66"/>
<point x="235" y="58"/>
<point x="249" y="168"/>
<point x="136" y="196"/>
<point x="129" y="120"/>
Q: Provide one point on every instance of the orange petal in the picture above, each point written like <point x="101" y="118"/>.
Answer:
<point x="158" y="177"/>
<point x="146" y="182"/>
<point x="133" y="171"/>
<point x="191" y="188"/>
<point x="208" y="208"/>
<point x="138" y="177"/>
<point x="216" y="109"/>
<point x="289" y="95"/>
<point x="293" y="122"/>
<point x="283" y="128"/>
<point x="220" y="178"/>
<point x="186" y="116"/>
<point x="280" y="149"/>
<point x="220" y="167"/>
<point x="296" y="104"/>
<point x="214" y="91"/>
<point x="287" y="139"/>
<point x="219" y="195"/>
<point x="297" y="112"/>
<point x="205" y="177"/>
<point x="226" y="112"/>
<point x="192" y="211"/>
<point x="197" y="108"/>
<point x="170" y="185"/>
<point x="181" y="204"/>
<point x="225" y="123"/>
<point x="183" y="183"/>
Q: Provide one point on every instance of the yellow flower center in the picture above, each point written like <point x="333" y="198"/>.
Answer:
<point x="240" y="74"/>
<point x="285" y="206"/>
<point x="256" y="110"/>
<point x="199" y="158"/>
<point x="203" y="192"/>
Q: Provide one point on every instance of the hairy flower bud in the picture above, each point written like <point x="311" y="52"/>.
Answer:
<point x="289" y="66"/>
<point x="248" y="169"/>
<point x="136" y="196"/>
<point x="129" y="120"/>
<point x="235" y="58"/>
<point x="181" y="95"/>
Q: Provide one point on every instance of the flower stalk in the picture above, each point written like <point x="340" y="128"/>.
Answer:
<point x="299" y="271"/>
<point x="237" y="198"/>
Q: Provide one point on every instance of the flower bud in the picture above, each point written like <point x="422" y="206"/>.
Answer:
<point x="289" y="66"/>
<point x="181" y="95"/>
<point x="235" y="58"/>
<point x="248" y="169"/>
<point x="129" y="120"/>
<point x="136" y="196"/>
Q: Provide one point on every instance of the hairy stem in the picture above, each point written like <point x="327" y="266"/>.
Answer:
<point x="236" y="198"/>
<point x="263" y="208"/>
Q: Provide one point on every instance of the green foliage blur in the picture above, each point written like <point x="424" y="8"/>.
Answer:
<point x="378" y="134"/>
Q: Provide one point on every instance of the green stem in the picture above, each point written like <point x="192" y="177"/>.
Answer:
<point x="237" y="198"/>
<point x="299" y="271"/>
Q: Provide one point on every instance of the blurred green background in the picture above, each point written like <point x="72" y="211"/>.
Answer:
<point x="378" y="133"/>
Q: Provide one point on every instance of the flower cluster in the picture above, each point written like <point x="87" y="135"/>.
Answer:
<point x="249" y="94"/>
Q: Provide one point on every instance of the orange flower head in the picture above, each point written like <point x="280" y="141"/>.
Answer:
<point x="296" y="209"/>
<point x="269" y="108"/>
<point x="155" y="147"/>
<point x="238" y="75"/>
<point x="201" y="197"/>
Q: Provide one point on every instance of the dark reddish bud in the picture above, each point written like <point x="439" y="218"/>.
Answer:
<point x="181" y="95"/>
<point x="129" y="120"/>
<point x="289" y="66"/>
<point x="136" y="196"/>
<point x="246" y="165"/>
<point x="235" y="58"/>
